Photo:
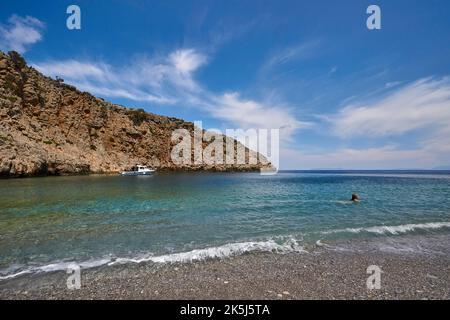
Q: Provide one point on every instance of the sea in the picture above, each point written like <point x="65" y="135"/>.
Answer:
<point x="51" y="223"/>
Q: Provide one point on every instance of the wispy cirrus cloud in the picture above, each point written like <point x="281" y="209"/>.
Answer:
<point x="153" y="80"/>
<point x="289" y="54"/>
<point x="20" y="33"/>
<point x="252" y="114"/>
<point x="430" y="154"/>
<point x="170" y="80"/>
<point x="186" y="61"/>
<point x="421" y="104"/>
<point x="392" y="84"/>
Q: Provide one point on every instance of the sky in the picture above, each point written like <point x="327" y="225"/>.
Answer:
<point x="343" y="96"/>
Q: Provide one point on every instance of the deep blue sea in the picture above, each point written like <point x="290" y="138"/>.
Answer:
<point x="47" y="223"/>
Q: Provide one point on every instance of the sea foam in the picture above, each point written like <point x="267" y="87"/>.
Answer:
<point x="399" y="229"/>
<point x="227" y="250"/>
<point x="275" y="244"/>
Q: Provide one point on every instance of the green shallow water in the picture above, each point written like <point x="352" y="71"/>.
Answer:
<point x="87" y="218"/>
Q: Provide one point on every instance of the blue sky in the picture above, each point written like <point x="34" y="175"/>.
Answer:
<point x="344" y="96"/>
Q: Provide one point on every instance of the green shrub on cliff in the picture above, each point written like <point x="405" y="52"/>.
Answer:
<point x="137" y="116"/>
<point x="17" y="59"/>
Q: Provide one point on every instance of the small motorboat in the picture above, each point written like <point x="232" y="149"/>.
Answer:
<point x="138" y="171"/>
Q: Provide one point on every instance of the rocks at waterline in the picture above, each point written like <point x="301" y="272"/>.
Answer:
<point x="50" y="128"/>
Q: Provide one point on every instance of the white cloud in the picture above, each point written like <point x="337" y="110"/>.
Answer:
<point x="170" y="80"/>
<point x="187" y="61"/>
<point x="20" y="33"/>
<point x="251" y="114"/>
<point x="100" y="79"/>
<point x="422" y="104"/>
<point x="289" y="54"/>
<point x="392" y="84"/>
<point x="160" y="81"/>
<point x="73" y="69"/>
<point x="386" y="157"/>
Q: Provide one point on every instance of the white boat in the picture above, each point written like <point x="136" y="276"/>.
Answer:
<point x="139" y="171"/>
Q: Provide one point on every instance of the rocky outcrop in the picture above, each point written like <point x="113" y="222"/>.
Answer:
<point x="50" y="128"/>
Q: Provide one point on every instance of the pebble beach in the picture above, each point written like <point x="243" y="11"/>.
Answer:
<point x="337" y="271"/>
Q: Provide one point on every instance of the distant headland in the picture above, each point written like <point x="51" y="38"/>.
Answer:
<point x="48" y="127"/>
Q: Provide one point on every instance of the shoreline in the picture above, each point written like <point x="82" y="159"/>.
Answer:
<point x="118" y="173"/>
<point x="234" y="170"/>
<point x="337" y="271"/>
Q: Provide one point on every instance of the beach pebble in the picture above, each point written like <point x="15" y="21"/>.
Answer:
<point x="225" y="282"/>
<point x="286" y="292"/>
<point x="279" y="295"/>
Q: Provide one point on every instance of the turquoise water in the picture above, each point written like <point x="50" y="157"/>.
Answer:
<point x="45" y="222"/>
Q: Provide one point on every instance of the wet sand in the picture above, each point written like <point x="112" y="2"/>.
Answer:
<point x="412" y="269"/>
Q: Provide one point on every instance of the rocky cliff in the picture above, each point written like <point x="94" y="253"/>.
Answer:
<point x="50" y="128"/>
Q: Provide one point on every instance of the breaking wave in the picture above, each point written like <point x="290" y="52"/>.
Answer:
<point x="275" y="245"/>
<point x="227" y="250"/>
<point x="400" y="229"/>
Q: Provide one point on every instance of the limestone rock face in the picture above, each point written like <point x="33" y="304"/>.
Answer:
<point x="50" y="128"/>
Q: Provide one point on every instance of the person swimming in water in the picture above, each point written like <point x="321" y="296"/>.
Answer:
<point x="355" y="197"/>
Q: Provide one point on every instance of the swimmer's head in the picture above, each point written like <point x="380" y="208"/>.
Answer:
<point x="355" y="197"/>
